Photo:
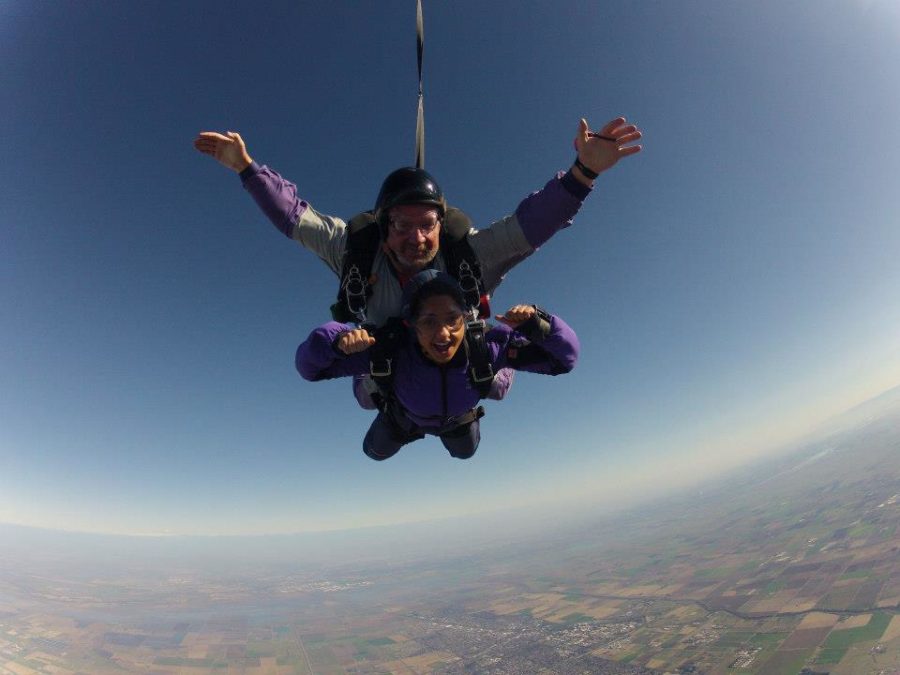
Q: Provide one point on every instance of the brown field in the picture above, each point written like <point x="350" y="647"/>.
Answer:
<point x="398" y="638"/>
<point x="604" y="610"/>
<point x="817" y="620"/>
<point x="700" y="593"/>
<point x="507" y="606"/>
<point x="616" y="652"/>
<point x="601" y="611"/>
<point x="893" y="630"/>
<point x="606" y="589"/>
<point x="853" y="622"/>
<point x="671" y="589"/>
<point x="787" y="662"/>
<point x="682" y="612"/>
<point x="540" y="604"/>
<point x="839" y="598"/>
<point x="805" y="638"/>
<point x="419" y="664"/>
<point x="638" y="591"/>
<point x="775" y="603"/>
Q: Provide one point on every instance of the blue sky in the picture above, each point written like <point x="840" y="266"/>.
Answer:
<point x="732" y="284"/>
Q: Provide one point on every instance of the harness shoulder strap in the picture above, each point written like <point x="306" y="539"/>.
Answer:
<point x="363" y="240"/>
<point x="388" y="339"/>
<point x="481" y="371"/>
<point x="461" y="261"/>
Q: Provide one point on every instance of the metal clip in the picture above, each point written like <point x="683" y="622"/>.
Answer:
<point x="381" y="370"/>
<point x="355" y="293"/>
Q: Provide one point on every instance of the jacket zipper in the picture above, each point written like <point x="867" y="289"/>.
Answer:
<point x="444" y="392"/>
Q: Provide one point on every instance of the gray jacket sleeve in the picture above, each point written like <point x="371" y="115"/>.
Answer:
<point x="538" y="217"/>
<point x="322" y="234"/>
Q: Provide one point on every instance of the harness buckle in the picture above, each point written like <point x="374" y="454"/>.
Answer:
<point x="486" y="373"/>
<point x="381" y="369"/>
<point x="476" y="325"/>
<point x="469" y="281"/>
<point x="355" y="292"/>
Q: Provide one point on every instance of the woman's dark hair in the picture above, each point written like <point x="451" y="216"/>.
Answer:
<point x="427" y="284"/>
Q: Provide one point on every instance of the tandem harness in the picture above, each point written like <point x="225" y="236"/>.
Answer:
<point x="390" y="336"/>
<point x="364" y="238"/>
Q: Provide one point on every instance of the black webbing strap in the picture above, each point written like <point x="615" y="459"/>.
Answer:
<point x="381" y="359"/>
<point x="359" y="255"/>
<point x="420" y="117"/>
<point x="481" y="371"/>
<point x="466" y="418"/>
<point x="461" y="261"/>
<point x="468" y="275"/>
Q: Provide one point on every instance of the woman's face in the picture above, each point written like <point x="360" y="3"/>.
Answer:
<point x="440" y="328"/>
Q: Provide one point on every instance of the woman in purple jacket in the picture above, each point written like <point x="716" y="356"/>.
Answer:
<point x="433" y="390"/>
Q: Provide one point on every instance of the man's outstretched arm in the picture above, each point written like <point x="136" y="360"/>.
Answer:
<point x="277" y="198"/>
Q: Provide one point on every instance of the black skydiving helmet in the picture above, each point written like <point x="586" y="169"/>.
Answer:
<point x="408" y="186"/>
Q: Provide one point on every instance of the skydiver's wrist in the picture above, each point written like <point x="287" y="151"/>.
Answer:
<point x="583" y="173"/>
<point x="537" y="327"/>
<point x="579" y="179"/>
<point x="243" y="163"/>
<point x="251" y="170"/>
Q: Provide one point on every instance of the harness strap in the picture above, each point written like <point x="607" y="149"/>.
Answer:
<point x="363" y="244"/>
<point x="461" y="261"/>
<point x="363" y="239"/>
<point x="381" y="359"/>
<point x="481" y="372"/>
<point x="468" y="417"/>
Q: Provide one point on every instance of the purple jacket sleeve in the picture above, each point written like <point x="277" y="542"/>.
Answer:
<point x="317" y="358"/>
<point x="555" y="354"/>
<point x="276" y="196"/>
<point x="543" y="213"/>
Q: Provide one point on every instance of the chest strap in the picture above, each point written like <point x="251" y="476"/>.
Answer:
<point x="480" y="370"/>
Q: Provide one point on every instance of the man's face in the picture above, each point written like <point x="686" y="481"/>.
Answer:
<point x="413" y="235"/>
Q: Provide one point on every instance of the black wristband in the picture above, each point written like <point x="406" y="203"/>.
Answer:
<point x="537" y="327"/>
<point x="586" y="171"/>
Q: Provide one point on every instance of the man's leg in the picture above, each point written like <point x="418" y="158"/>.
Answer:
<point x="462" y="442"/>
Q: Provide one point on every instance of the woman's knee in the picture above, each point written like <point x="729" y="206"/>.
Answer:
<point x="462" y="442"/>
<point x="372" y="453"/>
<point x="383" y="439"/>
<point x="462" y="454"/>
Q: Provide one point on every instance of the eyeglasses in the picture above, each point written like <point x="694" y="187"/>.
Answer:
<point x="405" y="227"/>
<point x="431" y="323"/>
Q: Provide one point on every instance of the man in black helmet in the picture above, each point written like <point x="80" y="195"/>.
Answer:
<point x="410" y="210"/>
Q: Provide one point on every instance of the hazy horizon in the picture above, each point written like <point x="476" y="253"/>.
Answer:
<point x="458" y="534"/>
